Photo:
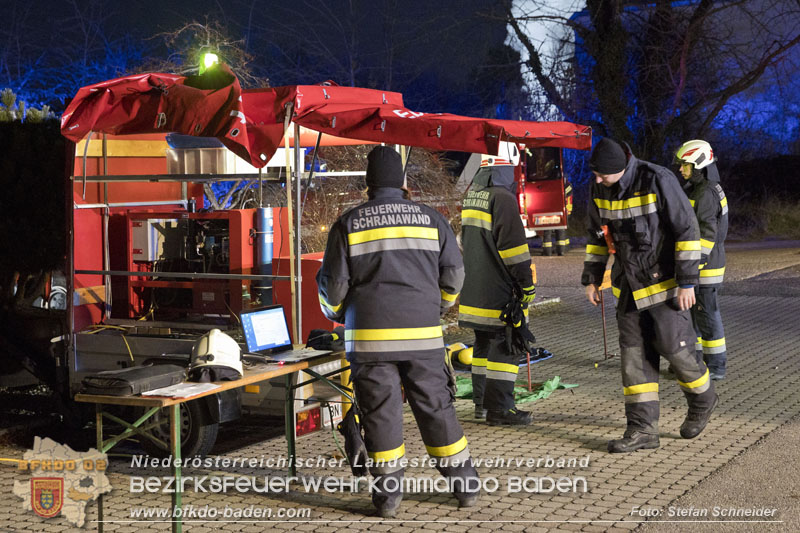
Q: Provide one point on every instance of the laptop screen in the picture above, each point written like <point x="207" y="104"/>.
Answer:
<point x="266" y="329"/>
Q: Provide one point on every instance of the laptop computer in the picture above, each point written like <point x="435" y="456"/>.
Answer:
<point x="266" y="333"/>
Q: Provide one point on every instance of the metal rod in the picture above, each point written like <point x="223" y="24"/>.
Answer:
<point x="203" y="178"/>
<point x="85" y="150"/>
<point x="603" y="314"/>
<point x="406" y="159"/>
<point x="98" y="413"/>
<point x="311" y="171"/>
<point x="192" y="178"/>
<point x="106" y="214"/>
<point x="344" y="391"/>
<point x="529" y="371"/>
<point x="131" y="204"/>
<point x="105" y="167"/>
<point x="341" y="173"/>
<point x="72" y="347"/>
<point x="290" y="219"/>
<point x="175" y="441"/>
<point x="289" y="421"/>
<point x="192" y="275"/>
<point x="298" y="166"/>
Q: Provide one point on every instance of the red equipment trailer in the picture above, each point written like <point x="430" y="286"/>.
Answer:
<point x="113" y="223"/>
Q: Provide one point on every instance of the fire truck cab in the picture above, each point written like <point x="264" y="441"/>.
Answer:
<point x="540" y="190"/>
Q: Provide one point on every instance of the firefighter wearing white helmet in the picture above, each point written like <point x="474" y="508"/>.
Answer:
<point x="498" y="274"/>
<point x="699" y="169"/>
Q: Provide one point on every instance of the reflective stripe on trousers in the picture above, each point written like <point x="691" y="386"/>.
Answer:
<point x="494" y="376"/>
<point x="379" y="396"/>
<point x="709" y="330"/>
<point x="646" y="335"/>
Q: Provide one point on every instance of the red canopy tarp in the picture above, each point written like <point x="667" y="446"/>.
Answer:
<point x="251" y="122"/>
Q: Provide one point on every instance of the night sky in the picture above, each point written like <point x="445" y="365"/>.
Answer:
<point x="434" y="52"/>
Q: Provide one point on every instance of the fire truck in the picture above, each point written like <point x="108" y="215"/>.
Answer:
<point x="540" y="189"/>
<point x="540" y="182"/>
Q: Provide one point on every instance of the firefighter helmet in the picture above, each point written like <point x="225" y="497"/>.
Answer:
<point x="460" y="355"/>
<point x="216" y="354"/>
<point x="507" y="156"/>
<point x="695" y="152"/>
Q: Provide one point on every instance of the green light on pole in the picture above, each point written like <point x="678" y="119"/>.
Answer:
<point x="209" y="60"/>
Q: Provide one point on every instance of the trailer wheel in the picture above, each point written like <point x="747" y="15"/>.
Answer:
<point x="198" y="432"/>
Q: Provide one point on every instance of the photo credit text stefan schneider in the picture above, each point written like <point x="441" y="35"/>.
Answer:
<point x="219" y="475"/>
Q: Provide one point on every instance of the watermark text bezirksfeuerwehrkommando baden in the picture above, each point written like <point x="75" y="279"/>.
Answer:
<point x="216" y="483"/>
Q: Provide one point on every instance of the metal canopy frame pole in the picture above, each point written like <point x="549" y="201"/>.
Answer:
<point x="290" y="220"/>
<point x="298" y="250"/>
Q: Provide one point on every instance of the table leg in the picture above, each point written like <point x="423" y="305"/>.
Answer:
<point x="289" y="413"/>
<point x="98" y="410"/>
<point x="175" y="441"/>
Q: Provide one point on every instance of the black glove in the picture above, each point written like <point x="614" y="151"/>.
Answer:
<point x="354" y="447"/>
<point x="519" y="339"/>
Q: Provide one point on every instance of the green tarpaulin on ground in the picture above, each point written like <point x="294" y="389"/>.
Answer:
<point x="521" y="394"/>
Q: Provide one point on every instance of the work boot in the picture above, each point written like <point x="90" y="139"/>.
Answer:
<point x="509" y="417"/>
<point x="480" y="412"/>
<point x="716" y="366"/>
<point x="633" y="440"/>
<point x="696" y="421"/>
<point x="389" y="509"/>
<point x="467" y="500"/>
<point x="387" y="493"/>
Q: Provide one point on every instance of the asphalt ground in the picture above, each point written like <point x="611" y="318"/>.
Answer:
<point x="745" y="462"/>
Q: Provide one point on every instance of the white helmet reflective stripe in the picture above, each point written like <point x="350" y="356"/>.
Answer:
<point x="696" y="152"/>
<point x="507" y="155"/>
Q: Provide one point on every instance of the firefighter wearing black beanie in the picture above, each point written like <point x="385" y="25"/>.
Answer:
<point x="639" y="213"/>
<point x="392" y="267"/>
<point x="608" y="157"/>
<point x="384" y="168"/>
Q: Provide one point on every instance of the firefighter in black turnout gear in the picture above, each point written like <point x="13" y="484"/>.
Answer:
<point x="562" y="241"/>
<point x="498" y="274"/>
<point x="650" y="226"/>
<point x="391" y="268"/>
<point x="698" y="166"/>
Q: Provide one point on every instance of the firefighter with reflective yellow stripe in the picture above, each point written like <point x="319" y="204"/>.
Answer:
<point x="562" y="241"/>
<point x="391" y="268"/>
<point x="498" y="270"/>
<point x="639" y="211"/>
<point x="698" y="166"/>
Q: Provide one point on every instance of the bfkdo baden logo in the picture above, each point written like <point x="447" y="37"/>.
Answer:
<point x="62" y="481"/>
<point x="47" y="495"/>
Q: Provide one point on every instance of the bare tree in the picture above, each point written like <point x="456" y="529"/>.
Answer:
<point x="187" y="44"/>
<point x="46" y="59"/>
<point x="428" y="179"/>
<point x="654" y="74"/>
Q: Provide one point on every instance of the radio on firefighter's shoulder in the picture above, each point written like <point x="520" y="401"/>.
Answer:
<point x="604" y="233"/>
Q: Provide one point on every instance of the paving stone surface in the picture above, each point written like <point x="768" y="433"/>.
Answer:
<point x="613" y="492"/>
